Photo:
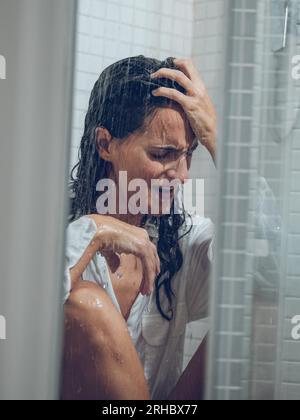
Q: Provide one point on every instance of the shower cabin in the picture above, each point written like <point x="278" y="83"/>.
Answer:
<point x="246" y="51"/>
<point x="256" y="290"/>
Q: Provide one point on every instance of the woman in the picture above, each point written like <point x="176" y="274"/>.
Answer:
<point x="128" y="297"/>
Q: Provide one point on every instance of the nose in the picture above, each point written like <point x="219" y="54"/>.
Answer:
<point x="180" y="171"/>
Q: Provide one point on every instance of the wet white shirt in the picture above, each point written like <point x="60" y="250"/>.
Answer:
<point x="159" y="343"/>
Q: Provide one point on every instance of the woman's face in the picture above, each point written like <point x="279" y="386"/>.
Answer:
<point x="155" y="154"/>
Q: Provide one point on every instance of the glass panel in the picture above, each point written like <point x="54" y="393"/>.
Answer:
<point x="255" y="352"/>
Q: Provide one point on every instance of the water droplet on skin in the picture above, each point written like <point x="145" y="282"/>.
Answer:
<point x="99" y="303"/>
<point x="118" y="358"/>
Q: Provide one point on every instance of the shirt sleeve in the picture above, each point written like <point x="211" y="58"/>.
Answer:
<point x="79" y="235"/>
<point x="199" y="257"/>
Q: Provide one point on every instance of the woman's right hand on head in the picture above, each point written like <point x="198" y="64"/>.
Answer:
<point x="117" y="237"/>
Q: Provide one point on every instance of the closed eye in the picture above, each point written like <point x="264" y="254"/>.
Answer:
<point x="172" y="155"/>
<point x="163" y="156"/>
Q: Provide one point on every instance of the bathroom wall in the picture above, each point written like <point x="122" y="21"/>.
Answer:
<point x="208" y="55"/>
<point x="109" y="30"/>
<point x="255" y="287"/>
<point x="285" y="172"/>
<point x="275" y="367"/>
<point x="231" y="320"/>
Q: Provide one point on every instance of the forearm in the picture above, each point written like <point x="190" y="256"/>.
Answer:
<point x="77" y="271"/>
<point x="213" y="154"/>
<point x="192" y="382"/>
<point x="211" y="146"/>
<point x="96" y="244"/>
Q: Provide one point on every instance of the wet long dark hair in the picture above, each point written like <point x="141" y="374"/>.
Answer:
<point x="120" y="101"/>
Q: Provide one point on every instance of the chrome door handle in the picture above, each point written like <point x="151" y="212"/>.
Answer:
<point x="280" y="14"/>
<point x="286" y="21"/>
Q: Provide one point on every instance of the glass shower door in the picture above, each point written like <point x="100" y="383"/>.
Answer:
<point x="256" y="288"/>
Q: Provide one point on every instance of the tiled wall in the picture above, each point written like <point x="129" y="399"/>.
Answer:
<point x="231" y="310"/>
<point x="109" y="30"/>
<point x="288" y="356"/>
<point x="275" y="367"/>
<point x="256" y="282"/>
<point x="208" y="55"/>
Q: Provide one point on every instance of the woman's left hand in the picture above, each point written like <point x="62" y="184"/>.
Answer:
<point x="196" y="102"/>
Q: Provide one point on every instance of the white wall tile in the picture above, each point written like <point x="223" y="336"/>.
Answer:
<point x="84" y="7"/>
<point x="113" y="11"/>
<point x="127" y="15"/>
